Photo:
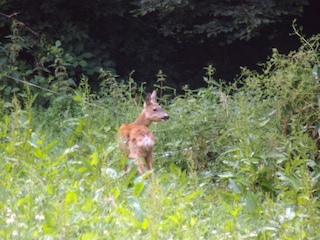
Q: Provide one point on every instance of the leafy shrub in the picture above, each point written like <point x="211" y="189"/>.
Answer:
<point x="257" y="136"/>
<point x="229" y="163"/>
<point x="54" y="65"/>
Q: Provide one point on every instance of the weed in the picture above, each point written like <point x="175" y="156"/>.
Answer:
<point x="232" y="163"/>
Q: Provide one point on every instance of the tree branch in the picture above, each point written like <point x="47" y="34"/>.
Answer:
<point x="13" y="15"/>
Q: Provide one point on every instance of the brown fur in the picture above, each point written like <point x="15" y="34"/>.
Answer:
<point x="136" y="140"/>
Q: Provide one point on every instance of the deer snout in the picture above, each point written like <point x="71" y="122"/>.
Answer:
<point x="165" y="118"/>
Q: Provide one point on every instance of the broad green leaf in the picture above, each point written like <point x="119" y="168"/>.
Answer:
<point x="3" y="60"/>
<point x="50" y="145"/>
<point x="263" y="123"/>
<point x="226" y="175"/>
<point x="115" y="192"/>
<point x="38" y="153"/>
<point x="174" y="219"/>
<point x="94" y="159"/>
<point x="138" y="188"/>
<point x="58" y="43"/>
<point x="193" y="195"/>
<point x="90" y="236"/>
<point x="47" y="229"/>
<point x="83" y="63"/>
<point x="71" y="197"/>
<point x="252" y="202"/>
<point x="145" y="224"/>
<point x="135" y="205"/>
<point x="49" y="189"/>
<point x="77" y="98"/>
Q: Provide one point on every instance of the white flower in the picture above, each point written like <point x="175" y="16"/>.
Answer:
<point x="39" y="217"/>
<point x="11" y="218"/>
<point x="15" y="233"/>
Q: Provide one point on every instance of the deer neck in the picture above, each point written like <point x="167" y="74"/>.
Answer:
<point x="142" y="120"/>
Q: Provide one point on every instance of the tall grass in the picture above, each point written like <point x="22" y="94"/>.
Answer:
<point x="231" y="163"/>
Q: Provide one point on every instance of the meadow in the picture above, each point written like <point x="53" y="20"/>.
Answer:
<point x="238" y="161"/>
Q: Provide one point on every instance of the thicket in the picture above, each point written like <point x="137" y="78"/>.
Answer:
<point x="236" y="161"/>
<point x="71" y="38"/>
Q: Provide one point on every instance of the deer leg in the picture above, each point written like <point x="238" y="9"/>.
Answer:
<point x="140" y="166"/>
<point x="149" y="160"/>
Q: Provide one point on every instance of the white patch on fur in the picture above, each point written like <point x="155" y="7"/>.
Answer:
<point x="146" y="142"/>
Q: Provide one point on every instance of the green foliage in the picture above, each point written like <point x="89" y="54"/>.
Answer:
<point x="229" y="163"/>
<point x="45" y="61"/>
<point x="226" y="21"/>
<point x="66" y="39"/>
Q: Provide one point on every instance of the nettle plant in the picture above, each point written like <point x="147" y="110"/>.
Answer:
<point x="273" y="125"/>
<point x="54" y="63"/>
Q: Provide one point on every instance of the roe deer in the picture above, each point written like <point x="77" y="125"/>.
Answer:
<point x="136" y="140"/>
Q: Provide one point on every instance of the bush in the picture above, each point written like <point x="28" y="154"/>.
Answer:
<point x="231" y="162"/>
<point x="257" y="136"/>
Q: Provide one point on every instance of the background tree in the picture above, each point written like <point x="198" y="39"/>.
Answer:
<point x="225" y="21"/>
<point x="178" y="36"/>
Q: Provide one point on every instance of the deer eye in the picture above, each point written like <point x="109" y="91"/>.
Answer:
<point x="155" y="109"/>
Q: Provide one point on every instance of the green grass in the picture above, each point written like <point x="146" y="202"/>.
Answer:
<point x="231" y="162"/>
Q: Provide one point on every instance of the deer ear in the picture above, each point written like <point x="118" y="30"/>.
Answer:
<point x="147" y="100"/>
<point x="153" y="96"/>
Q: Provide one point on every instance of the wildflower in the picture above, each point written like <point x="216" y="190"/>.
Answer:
<point x="39" y="217"/>
<point x="11" y="218"/>
<point x="15" y="233"/>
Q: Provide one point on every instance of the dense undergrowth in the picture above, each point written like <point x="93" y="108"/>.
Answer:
<point x="231" y="163"/>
